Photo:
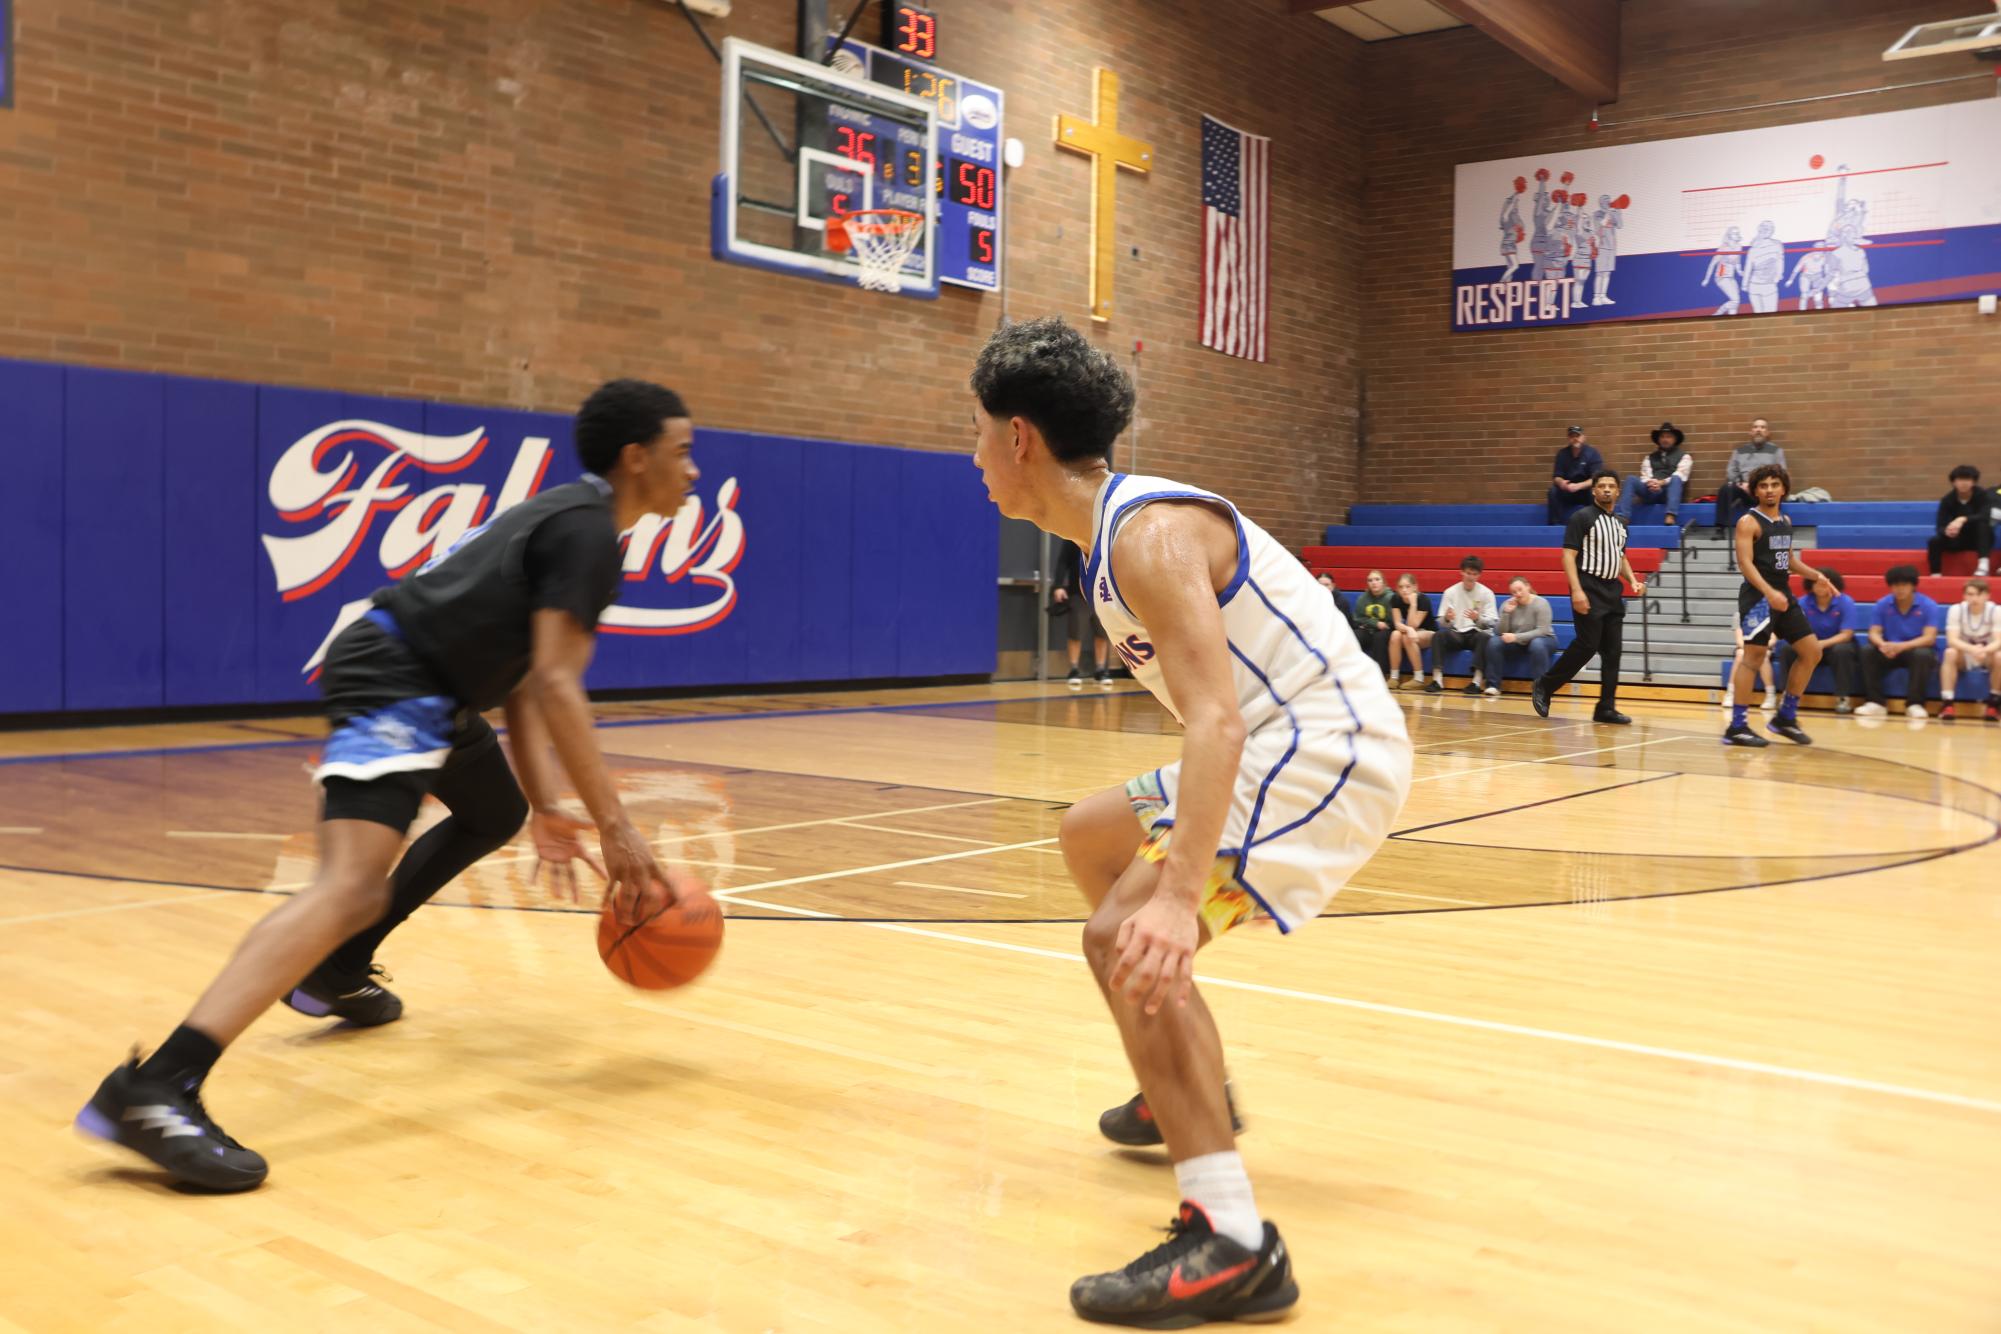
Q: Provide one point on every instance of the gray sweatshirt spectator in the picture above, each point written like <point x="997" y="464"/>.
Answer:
<point x="1522" y="636"/>
<point x="1525" y="619"/>
<point x="1735" y="498"/>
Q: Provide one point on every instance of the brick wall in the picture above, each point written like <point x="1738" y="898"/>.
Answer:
<point x="1869" y="404"/>
<point x="504" y="201"/>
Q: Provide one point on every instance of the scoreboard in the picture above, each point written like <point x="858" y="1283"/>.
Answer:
<point x="966" y="244"/>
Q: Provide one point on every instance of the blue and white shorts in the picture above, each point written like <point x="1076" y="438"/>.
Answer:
<point x="1310" y="808"/>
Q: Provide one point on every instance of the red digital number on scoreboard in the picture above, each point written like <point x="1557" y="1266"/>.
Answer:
<point x="855" y="145"/>
<point x="972" y="184"/>
<point x="910" y="30"/>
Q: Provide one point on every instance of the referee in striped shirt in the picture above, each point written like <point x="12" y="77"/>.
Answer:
<point x="1594" y="559"/>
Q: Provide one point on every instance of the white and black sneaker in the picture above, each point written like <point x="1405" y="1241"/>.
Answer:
<point x="169" y="1126"/>
<point x="1076" y="678"/>
<point x="351" y="996"/>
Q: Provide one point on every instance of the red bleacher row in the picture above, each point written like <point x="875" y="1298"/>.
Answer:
<point x="1863" y="571"/>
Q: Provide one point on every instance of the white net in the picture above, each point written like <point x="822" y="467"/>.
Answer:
<point x="881" y="239"/>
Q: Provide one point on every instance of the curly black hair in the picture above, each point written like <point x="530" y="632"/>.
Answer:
<point x="1758" y="475"/>
<point x="620" y="413"/>
<point x="1046" y="371"/>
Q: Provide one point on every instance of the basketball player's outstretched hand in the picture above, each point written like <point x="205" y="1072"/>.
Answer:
<point x="635" y="882"/>
<point x="557" y="846"/>
<point x="1156" y="955"/>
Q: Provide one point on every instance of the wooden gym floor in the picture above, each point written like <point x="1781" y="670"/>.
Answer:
<point x="1622" y="1031"/>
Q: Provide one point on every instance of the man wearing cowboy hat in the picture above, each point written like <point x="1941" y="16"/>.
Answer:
<point x="1663" y="475"/>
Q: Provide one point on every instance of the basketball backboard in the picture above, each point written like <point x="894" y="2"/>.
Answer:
<point x="801" y="141"/>
<point x="1979" y="36"/>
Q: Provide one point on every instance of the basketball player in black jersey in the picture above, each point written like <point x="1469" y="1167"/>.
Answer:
<point x="1766" y="608"/>
<point x="506" y="617"/>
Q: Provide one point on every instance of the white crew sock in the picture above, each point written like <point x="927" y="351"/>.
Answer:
<point x="1218" y="1183"/>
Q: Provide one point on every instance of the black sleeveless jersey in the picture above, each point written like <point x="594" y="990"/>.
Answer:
<point x="1771" y="554"/>
<point x="468" y="613"/>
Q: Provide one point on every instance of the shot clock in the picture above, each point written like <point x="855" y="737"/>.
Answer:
<point x="910" y="30"/>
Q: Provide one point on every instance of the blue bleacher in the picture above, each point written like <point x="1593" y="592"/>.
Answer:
<point x="1905" y="516"/>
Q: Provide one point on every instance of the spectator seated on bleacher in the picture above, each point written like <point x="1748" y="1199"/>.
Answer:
<point x="1466" y="616"/>
<point x="1326" y="581"/>
<point x="1970" y="638"/>
<point x="1372" y="620"/>
<point x="1663" y="477"/>
<point x="1905" y="631"/>
<point x="1965" y="521"/>
<point x="1734" y="497"/>
<point x="1410" y="629"/>
<point x="1576" y="464"/>
<point x="1523" y="633"/>
<point x="1831" y="613"/>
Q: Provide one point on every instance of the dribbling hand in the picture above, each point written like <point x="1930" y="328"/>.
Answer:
<point x="635" y="884"/>
<point x="557" y="846"/>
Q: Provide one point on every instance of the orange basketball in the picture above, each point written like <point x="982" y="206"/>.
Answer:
<point x="670" y="949"/>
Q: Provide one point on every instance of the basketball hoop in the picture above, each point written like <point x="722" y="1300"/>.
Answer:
<point x="881" y="239"/>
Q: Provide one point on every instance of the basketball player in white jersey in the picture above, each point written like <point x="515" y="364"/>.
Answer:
<point x="1293" y="766"/>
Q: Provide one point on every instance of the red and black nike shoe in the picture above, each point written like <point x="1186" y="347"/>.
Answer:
<point x="1192" y="1277"/>
<point x="1132" y="1122"/>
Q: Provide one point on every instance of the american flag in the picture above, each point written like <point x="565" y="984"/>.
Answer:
<point x="1236" y="239"/>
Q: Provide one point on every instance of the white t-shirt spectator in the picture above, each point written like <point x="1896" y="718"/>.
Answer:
<point x="1459" y="609"/>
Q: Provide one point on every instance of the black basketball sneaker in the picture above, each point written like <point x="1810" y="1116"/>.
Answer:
<point x="1132" y="1122"/>
<point x="1739" y="735"/>
<point x="350" y="996"/>
<point x="169" y="1126"/>
<point x="1192" y="1277"/>
<point x="1790" y="729"/>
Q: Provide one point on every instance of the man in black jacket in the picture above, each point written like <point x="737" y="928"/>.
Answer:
<point x="1965" y="522"/>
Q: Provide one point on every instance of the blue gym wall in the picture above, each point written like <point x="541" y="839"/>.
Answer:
<point x="134" y="508"/>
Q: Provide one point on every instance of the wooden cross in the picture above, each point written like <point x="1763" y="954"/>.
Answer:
<point x="1099" y="139"/>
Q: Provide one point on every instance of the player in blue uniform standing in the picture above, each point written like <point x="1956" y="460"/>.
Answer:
<point x="507" y="616"/>
<point x="1293" y="766"/>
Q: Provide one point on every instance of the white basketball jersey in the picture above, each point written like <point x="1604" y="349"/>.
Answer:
<point x="1973" y="629"/>
<point x="1287" y="637"/>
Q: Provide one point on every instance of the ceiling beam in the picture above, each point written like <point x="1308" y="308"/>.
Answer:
<point x="1310" y="6"/>
<point x="1574" y="41"/>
